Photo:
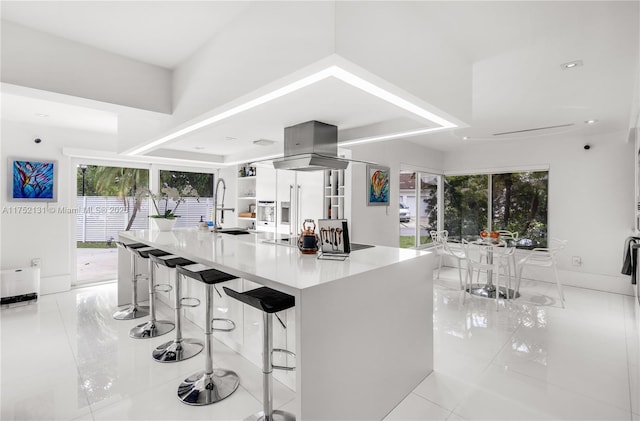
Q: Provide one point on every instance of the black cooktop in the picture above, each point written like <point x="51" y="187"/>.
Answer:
<point x="356" y="246"/>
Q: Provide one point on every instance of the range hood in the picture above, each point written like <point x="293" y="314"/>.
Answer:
<point x="311" y="146"/>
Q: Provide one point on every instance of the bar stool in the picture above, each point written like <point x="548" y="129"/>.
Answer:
<point x="208" y="386"/>
<point x="269" y="301"/>
<point x="134" y="311"/>
<point x="180" y="348"/>
<point x="153" y="327"/>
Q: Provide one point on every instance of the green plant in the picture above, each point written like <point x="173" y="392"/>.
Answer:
<point x="176" y="196"/>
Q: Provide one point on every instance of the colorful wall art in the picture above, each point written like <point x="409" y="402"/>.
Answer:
<point x="377" y="185"/>
<point x="32" y="180"/>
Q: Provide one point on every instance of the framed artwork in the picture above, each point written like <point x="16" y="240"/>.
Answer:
<point x="31" y="179"/>
<point x="378" y="185"/>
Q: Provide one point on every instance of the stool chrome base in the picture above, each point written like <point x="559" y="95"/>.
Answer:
<point x="131" y="313"/>
<point x="151" y="329"/>
<point x="203" y="389"/>
<point x="277" y="415"/>
<point x="172" y="351"/>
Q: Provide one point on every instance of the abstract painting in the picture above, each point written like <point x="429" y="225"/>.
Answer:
<point x="377" y="185"/>
<point x="32" y="180"/>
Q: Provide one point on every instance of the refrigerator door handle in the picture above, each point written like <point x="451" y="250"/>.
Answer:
<point x="298" y="210"/>
<point x="291" y="216"/>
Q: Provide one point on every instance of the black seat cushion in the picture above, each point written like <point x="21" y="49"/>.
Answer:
<point x="264" y="298"/>
<point x="145" y="252"/>
<point x="208" y="276"/>
<point x="172" y="262"/>
<point x="134" y="246"/>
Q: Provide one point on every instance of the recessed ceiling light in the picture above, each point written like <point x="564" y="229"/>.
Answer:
<point x="42" y="115"/>
<point x="465" y="138"/>
<point x="571" y="64"/>
<point x="264" y="142"/>
<point x="593" y="121"/>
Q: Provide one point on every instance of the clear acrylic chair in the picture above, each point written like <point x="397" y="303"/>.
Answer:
<point x="490" y="258"/>
<point x="441" y="246"/>
<point x="511" y="238"/>
<point x="544" y="257"/>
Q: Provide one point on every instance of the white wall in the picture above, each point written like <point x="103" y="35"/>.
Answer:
<point x="28" y="234"/>
<point x="379" y="224"/>
<point x="589" y="200"/>
<point x="38" y="60"/>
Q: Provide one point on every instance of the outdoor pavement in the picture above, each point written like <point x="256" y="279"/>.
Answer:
<point x="95" y="265"/>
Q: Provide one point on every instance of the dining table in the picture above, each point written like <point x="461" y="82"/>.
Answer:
<point x="489" y="246"/>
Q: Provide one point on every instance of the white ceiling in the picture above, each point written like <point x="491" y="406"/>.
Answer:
<point x="37" y="111"/>
<point x="163" y="33"/>
<point x="515" y="50"/>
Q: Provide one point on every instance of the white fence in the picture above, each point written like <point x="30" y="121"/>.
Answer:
<point x="100" y="218"/>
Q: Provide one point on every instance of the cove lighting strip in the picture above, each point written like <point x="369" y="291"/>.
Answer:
<point x="331" y="71"/>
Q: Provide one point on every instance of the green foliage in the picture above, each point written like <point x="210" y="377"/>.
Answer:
<point x="201" y="182"/>
<point x="518" y="204"/>
<point x="95" y="245"/>
<point x="465" y="205"/>
<point x="407" y="241"/>
<point x="128" y="184"/>
<point x="111" y="181"/>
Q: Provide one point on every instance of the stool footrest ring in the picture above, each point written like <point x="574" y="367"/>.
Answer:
<point x="219" y="329"/>
<point x="282" y="367"/>
<point x="187" y="302"/>
<point x="163" y="288"/>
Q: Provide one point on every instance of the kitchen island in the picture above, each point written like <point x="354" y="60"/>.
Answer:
<point x="363" y="326"/>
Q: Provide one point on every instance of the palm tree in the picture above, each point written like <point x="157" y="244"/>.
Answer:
<point x="126" y="183"/>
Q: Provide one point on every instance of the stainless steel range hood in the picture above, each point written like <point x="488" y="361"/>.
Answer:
<point x="311" y="146"/>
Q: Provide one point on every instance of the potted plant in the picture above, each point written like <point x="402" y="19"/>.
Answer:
<point x="165" y="217"/>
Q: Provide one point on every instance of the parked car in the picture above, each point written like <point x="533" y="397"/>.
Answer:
<point x="405" y="215"/>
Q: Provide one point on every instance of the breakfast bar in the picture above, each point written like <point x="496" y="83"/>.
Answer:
<point x="363" y="326"/>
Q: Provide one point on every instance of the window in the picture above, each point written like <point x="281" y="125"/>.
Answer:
<point x="518" y="203"/>
<point x="193" y="208"/>
<point x="465" y="205"/>
<point x="418" y="207"/>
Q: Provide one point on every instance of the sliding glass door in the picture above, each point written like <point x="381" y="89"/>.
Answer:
<point x="418" y="198"/>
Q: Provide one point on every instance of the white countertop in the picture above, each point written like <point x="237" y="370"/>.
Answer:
<point x="249" y="256"/>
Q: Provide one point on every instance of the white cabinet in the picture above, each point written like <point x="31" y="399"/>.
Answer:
<point x="266" y="184"/>
<point x="266" y="195"/>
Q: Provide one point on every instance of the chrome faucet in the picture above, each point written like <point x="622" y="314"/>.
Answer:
<point x="221" y="208"/>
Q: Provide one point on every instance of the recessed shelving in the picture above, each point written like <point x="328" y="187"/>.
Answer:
<point x="334" y="199"/>
<point x="246" y="197"/>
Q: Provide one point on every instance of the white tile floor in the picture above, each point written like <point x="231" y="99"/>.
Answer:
<point x="65" y="358"/>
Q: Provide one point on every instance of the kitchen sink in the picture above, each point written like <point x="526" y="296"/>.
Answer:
<point x="234" y="231"/>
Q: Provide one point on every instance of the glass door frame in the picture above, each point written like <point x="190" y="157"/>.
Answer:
<point x="420" y="171"/>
